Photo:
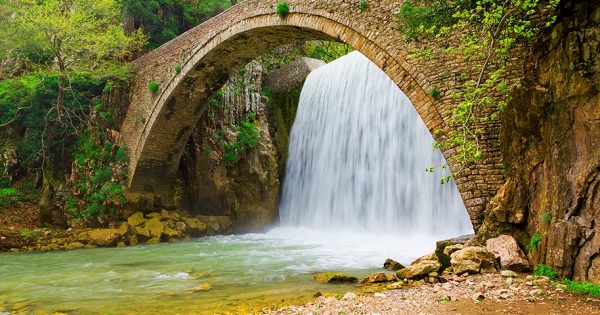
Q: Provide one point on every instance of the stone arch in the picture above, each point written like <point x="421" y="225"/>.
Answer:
<point x="157" y="126"/>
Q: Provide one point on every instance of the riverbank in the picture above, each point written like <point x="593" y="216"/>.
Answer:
<point x="475" y="294"/>
<point x="18" y="230"/>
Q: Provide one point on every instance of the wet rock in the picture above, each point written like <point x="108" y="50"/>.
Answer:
<point x="154" y="215"/>
<point x="392" y="265"/>
<point x="201" y="288"/>
<point x="171" y="234"/>
<point x="180" y="226"/>
<point x="213" y="225"/>
<point x="121" y="244"/>
<point x="136" y="219"/>
<point x="195" y="227"/>
<point x="473" y="259"/>
<point x="334" y="277"/>
<point x="102" y="237"/>
<point x="224" y="222"/>
<point x="379" y="277"/>
<point x="74" y="245"/>
<point x="507" y="251"/>
<point x="155" y="227"/>
<point x="420" y="267"/>
<point x="154" y="240"/>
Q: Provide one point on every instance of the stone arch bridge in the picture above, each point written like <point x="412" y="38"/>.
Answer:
<point x="158" y="124"/>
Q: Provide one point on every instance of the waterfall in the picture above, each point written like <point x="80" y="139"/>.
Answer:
<point x="358" y="155"/>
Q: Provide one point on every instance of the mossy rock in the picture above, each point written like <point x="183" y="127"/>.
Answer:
<point x="334" y="277"/>
<point x="136" y="219"/>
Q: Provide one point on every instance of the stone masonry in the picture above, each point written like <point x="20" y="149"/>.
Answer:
<point x="158" y="125"/>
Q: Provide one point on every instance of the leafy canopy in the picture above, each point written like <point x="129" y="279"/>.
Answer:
<point x="83" y="35"/>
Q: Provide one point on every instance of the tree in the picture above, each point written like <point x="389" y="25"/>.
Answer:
<point x="77" y="36"/>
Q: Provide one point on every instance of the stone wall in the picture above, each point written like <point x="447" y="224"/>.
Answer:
<point x="551" y="143"/>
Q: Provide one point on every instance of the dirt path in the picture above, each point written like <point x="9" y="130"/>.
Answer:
<point x="496" y="295"/>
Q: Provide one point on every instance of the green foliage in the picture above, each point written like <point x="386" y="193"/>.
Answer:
<point x="282" y="9"/>
<point x="247" y="137"/>
<point x="435" y="93"/>
<point x="7" y="197"/>
<point x="534" y="242"/>
<point x="420" y="21"/>
<point x="100" y="176"/>
<point x="545" y="270"/>
<point x="29" y="233"/>
<point x="495" y="28"/>
<point x="163" y="20"/>
<point x="86" y="33"/>
<point x="326" y="50"/>
<point x="582" y="287"/>
<point x="251" y="117"/>
<point x="177" y="69"/>
<point x="363" y="4"/>
<point x="154" y="87"/>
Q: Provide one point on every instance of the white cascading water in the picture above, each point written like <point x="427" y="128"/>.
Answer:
<point x="357" y="158"/>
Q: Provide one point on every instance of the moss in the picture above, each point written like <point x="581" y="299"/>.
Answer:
<point x="334" y="277"/>
<point x="363" y="4"/>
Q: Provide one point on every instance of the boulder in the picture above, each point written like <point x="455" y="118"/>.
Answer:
<point x="440" y="246"/>
<point x="153" y="215"/>
<point x="213" y="225"/>
<point x="420" y="267"/>
<point x="473" y="259"/>
<point x="379" y="277"/>
<point x="171" y="234"/>
<point x="507" y="251"/>
<point x="155" y="227"/>
<point x="103" y="237"/>
<point x="195" y="226"/>
<point x="224" y="222"/>
<point x="142" y="231"/>
<point x="392" y="265"/>
<point x="136" y="219"/>
<point x="154" y="240"/>
<point x="169" y="214"/>
<point x="74" y="245"/>
<point x="334" y="277"/>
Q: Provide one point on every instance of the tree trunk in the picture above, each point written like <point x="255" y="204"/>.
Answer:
<point x="45" y="206"/>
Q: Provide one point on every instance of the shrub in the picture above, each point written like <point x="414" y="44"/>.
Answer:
<point x="251" y="116"/>
<point x="7" y="197"/>
<point x="282" y="9"/>
<point x="153" y="87"/>
<point x="363" y="4"/>
<point x="533" y="243"/>
<point x="545" y="270"/>
<point x="582" y="287"/>
<point x="177" y="69"/>
<point x="435" y="93"/>
<point x="248" y="135"/>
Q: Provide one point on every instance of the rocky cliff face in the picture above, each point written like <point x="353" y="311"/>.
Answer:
<point x="551" y="142"/>
<point x="220" y="180"/>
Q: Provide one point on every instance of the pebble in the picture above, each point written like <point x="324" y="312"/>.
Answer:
<point x="508" y="273"/>
<point x="478" y="296"/>
<point x="379" y="295"/>
<point x="349" y="296"/>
